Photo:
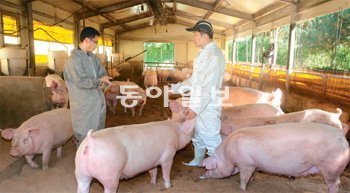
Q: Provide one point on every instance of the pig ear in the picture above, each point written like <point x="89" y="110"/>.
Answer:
<point x="7" y="133"/>
<point x="209" y="163"/>
<point x="174" y="106"/>
<point x="187" y="126"/>
<point x="54" y="85"/>
<point x="34" y="131"/>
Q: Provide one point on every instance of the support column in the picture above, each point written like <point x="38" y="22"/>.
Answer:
<point x="275" y="44"/>
<point x="31" y="51"/>
<point x="2" y="41"/>
<point x="76" y="31"/>
<point x="233" y="51"/>
<point x="291" y="43"/>
<point x="116" y="42"/>
<point x="253" y="54"/>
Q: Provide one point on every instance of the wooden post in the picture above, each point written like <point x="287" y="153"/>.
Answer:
<point x="31" y="51"/>
<point x="76" y="31"/>
<point x="2" y="41"/>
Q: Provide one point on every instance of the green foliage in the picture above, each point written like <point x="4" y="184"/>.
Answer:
<point x="244" y="50"/>
<point x="159" y="52"/>
<point x="324" y="42"/>
<point x="282" y="46"/>
<point x="262" y="46"/>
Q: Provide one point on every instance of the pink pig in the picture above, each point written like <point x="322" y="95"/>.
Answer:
<point x="291" y="149"/>
<point x="242" y="96"/>
<point x="125" y="151"/>
<point x="231" y="124"/>
<point x="40" y="135"/>
<point x="59" y="92"/>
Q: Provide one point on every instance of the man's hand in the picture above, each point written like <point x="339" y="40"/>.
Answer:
<point x="106" y="79"/>
<point x="190" y="114"/>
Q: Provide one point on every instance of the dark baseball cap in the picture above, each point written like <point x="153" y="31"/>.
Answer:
<point x="202" y="26"/>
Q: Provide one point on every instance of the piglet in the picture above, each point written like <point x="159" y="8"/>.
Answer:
<point x="40" y="135"/>
<point x="125" y="151"/>
<point x="291" y="149"/>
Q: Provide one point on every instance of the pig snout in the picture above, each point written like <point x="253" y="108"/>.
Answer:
<point x="14" y="152"/>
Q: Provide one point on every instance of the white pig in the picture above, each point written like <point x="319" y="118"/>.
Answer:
<point x="114" y="92"/>
<point x="40" y="135"/>
<point x="59" y="91"/>
<point x="150" y="78"/>
<point x="125" y="151"/>
<point x="291" y="149"/>
<point x="231" y="124"/>
<point x="242" y="96"/>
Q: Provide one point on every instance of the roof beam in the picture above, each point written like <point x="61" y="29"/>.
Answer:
<point x="209" y="13"/>
<point x="111" y="8"/>
<point x="269" y="9"/>
<point x="103" y="15"/>
<point x="210" y="7"/>
<point x="289" y="1"/>
<point x="174" y="10"/>
<point x="143" y="25"/>
<point x="194" y="17"/>
<point x="126" y="20"/>
<point x="158" y="12"/>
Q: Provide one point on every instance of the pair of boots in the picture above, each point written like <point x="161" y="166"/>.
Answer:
<point x="199" y="155"/>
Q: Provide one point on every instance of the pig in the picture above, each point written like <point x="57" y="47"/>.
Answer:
<point x="113" y="93"/>
<point x="241" y="96"/>
<point x="59" y="91"/>
<point x="248" y="111"/>
<point x="140" y="100"/>
<point x="150" y="78"/>
<point x="231" y="124"/>
<point x="291" y="149"/>
<point x="125" y="151"/>
<point x="163" y="75"/>
<point x="40" y="135"/>
<point x="179" y="76"/>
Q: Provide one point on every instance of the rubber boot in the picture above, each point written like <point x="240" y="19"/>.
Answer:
<point x="199" y="155"/>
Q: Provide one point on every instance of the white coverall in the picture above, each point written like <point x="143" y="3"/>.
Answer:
<point x="82" y="74"/>
<point x="205" y="100"/>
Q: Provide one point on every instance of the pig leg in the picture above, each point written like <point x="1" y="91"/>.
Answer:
<point x="46" y="158"/>
<point x="83" y="183"/>
<point x="30" y="161"/>
<point x="245" y="174"/>
<point x="166" y="169"/>
<point x="114" y="107"/>
<point x="332" y="180"/>
<point x="59" y="152"/>
<point x="153" y="174"/>
<point x="141" y="108"/>
<point x="133" y="111"/>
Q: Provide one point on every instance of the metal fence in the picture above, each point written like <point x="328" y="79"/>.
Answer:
<point x="330" y="87"/>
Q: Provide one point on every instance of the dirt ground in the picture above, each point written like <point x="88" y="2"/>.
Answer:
<point x="17" y="177"/>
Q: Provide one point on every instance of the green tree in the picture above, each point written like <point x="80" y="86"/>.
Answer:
<point x="323" y="42"/>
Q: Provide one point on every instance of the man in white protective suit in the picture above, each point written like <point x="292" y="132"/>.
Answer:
<point x="204" y="103"/>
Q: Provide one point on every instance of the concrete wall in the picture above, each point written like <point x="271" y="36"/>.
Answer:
<point x="131" y="43"/>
